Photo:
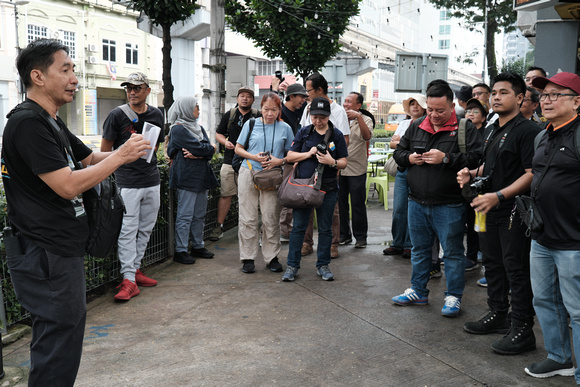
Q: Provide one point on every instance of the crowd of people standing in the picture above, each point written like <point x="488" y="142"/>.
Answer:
<point x="516" y="137"/>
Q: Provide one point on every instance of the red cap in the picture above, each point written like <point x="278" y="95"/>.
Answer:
<point x="568" y="80"/>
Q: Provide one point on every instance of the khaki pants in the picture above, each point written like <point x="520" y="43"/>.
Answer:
<point x="249" y="199"/>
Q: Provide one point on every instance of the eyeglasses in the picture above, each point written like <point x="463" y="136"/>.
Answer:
<point x="478" y="93"/>
<point x="554" y="96"/>
<point x="526" y="99"/>
<point x="136" y="89"/>
<point x="309" y="90"/>
<point x="472" y="111"/>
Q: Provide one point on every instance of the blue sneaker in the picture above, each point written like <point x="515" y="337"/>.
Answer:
<point x="452" y="306"/>
<point x="482" y="282"/>
<point x="410" y="297"/>
<point x="324" y="273"/>
<point x="290" y="274"/>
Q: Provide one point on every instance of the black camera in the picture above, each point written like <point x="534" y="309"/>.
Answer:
<point x="480" y="184"/>
<point x="322" y="147"/>
<point x="278" y="75"/>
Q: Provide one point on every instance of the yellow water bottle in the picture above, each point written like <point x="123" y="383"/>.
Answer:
<point x="479" y="225"/>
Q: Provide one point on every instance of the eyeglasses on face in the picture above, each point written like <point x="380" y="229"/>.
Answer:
<point x="472" y="111"/>
<point x="554" y="96"/>
<point x="136" y="89"/>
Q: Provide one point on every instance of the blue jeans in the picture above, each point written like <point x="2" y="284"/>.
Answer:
<point x="324" y="220"/>
<point x="400" y="227"/>
<point x="447" y="222"/>
<point x="555" y="276"/>
<point x="190" y="219"/>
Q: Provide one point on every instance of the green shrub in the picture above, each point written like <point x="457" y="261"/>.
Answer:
<point x="382" y="133"/>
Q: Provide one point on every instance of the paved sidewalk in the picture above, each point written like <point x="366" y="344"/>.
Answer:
<point x="210" y="324"/>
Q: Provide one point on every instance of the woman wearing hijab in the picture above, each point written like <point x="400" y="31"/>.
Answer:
<point x="269" y="140"/>
<point x="191" y="175"/>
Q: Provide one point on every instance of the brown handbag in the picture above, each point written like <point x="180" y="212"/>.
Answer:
<point x="266" y="179"/>
<point x="301" y="193"/>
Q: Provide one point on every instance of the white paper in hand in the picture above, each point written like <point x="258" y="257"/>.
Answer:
<point x="151" y="134"/>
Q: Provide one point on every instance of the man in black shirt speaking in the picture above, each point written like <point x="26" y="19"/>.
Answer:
<point x="506" y="172"/>
<point x="43" y="189"/>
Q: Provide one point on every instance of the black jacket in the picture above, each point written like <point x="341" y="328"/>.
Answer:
<point x="437" y="183"/>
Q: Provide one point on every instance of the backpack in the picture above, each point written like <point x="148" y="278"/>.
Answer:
<point x="103" y="203"/>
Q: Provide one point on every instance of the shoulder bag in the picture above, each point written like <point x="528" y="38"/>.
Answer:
<point x="303" y="193"/>
<point x="267" y="179"/>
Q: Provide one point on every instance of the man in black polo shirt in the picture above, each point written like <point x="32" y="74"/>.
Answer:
<point x="507" y="165"/>
<point x="555" y="253"/>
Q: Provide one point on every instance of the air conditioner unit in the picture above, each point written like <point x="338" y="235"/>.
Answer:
<point x="92" y="47"/>
<point x="92" y="59"/>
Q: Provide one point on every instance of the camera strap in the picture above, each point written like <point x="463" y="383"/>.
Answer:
<point x="273" y="135"/>
<point x="488" y="146"/>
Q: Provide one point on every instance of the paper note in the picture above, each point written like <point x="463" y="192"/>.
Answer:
<point x="151" y="134"/>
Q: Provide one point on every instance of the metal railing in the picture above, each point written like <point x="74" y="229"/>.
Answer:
<point x="104" y="271"/>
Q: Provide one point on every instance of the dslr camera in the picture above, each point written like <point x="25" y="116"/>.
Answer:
<point x="322" y="147"/>
<point x="480" y="184"/>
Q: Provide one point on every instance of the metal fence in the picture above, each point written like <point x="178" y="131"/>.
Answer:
<point x="104" y="271"/>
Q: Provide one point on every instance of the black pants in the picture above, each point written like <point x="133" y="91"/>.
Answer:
<point x="506" y="257"/>
<point x="52" y="288"/>
<point x="472" y="237"/>
<point x="355" y="186"/>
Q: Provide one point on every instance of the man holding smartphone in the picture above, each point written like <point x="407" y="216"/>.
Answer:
<point x="430" y="150"/>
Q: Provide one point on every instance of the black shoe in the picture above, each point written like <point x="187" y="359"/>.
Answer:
<point x="492" y="322"/>
<point x="406" y="253"/>
<point x="275" y="266"/>
<point x="345" y="241"/>
<point x="202" y="253"/>
<point x="248" y="266"/>
<point x="548" y="368"/>
<point x="183" y="257"/>
<point x="361" y="244"/>
<point x="518" y="339"/>
<point x="392" y="251"/>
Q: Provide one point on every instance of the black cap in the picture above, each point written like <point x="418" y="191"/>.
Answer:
<point x="320" y="105"/>
<point x="464" y="94"/>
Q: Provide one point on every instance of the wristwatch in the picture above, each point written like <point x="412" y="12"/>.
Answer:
<point x="334" y="165"/>
<point x="446" y="158"/>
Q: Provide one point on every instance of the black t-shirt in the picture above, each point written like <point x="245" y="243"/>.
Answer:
<point x="118" y="128"/>
<point x="234" y="130"/>
<point x="515" y="155"/>
<point x="305" y="139"/>
<point x="292" y="118"/>
<point x="30" y="148"/>
<point x="557" y="194"/>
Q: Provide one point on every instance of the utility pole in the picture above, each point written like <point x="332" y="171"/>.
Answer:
<point x="217" y="64"/>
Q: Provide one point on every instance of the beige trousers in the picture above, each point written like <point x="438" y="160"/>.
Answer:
<point x="252" y="202"/>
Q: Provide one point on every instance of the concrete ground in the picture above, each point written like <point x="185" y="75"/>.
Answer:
<point x="210" y="324"/>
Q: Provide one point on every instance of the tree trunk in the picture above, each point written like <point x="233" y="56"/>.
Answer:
<point x="490" y="50"/>
<point x="217" y="61"/>
<point x="167" y="84"/>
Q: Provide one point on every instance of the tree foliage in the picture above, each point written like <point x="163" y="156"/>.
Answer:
<point x="165" y="13"/>
<point x="500" y="16"/>
<point x="304" y="33"/>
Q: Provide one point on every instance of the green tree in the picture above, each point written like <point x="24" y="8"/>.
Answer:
<point x="516" y="67"/>
<point x="500" y="15"/>
<point x="165" y="13"/>
<point x="304" y="33"/>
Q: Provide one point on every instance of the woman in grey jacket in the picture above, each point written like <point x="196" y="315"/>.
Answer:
<point x="191" y="175"/>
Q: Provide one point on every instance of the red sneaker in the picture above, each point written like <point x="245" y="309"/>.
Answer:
<point x="128" y="290"/>
<point x="142" y="280"/>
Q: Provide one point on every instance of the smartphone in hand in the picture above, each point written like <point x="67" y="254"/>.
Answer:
<point x="420" y="150"/>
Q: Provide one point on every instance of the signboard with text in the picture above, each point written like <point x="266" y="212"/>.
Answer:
<point x="532" y="5"/>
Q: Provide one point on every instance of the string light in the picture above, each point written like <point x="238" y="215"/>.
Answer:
<point x="280" y="9"/>
<point x="316" y="15"/>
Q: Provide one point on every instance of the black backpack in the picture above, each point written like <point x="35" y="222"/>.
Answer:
<point x="103" y="203"/>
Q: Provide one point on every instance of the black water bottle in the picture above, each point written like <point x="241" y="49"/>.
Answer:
<point x="11" y="243"/>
